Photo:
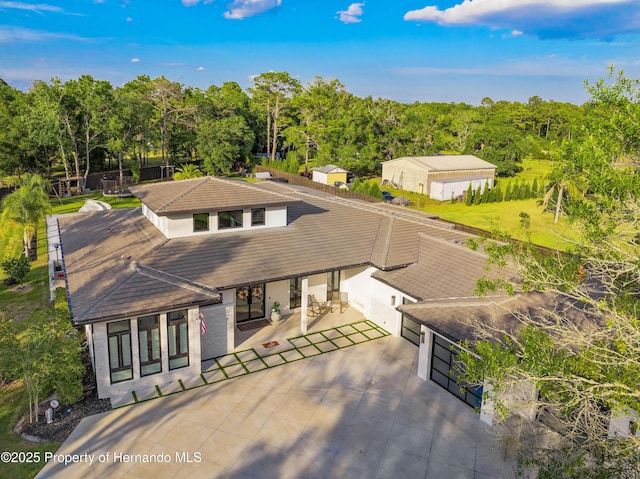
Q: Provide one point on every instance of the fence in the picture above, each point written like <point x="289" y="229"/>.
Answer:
<point x="307" y="182"/>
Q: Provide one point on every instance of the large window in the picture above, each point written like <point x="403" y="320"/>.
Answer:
<point x="445" y="372"/>
<point x="250" y="302"/>
<point x="229" y="219"/>
<point x="119" y="339"/>
<point x="178" y="335"/>
<point x="200" y="222"/>
<point x="257" y="217"/>
<point x="149" y="341"/>
<point x="295" y="292"/>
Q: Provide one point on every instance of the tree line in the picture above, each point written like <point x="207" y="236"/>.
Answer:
<point x="85" y="124"/>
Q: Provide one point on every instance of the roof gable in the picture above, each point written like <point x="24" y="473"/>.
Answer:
<point x="205" y="194"/>
<point x="445" y="162"/>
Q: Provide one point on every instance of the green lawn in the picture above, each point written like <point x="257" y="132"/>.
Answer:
<point x="504" y="216"/>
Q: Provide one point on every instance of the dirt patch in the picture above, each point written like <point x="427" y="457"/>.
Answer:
<point x="22" y="288"/>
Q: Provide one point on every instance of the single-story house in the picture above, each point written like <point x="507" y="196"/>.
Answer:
<point x="439" y="176"/>
<point x="141" y="281"/>
<point x="329" y="175"/>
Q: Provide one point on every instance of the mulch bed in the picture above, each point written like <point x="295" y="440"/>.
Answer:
<point x="65" y="419"/>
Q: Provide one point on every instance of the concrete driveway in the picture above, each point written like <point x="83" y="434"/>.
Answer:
<point x="358" y="412"/>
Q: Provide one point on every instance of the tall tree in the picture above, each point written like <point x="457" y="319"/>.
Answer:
<point x="92" y="101"/>
<point x="168" y="100"/>
<point x="223" y="134"/>
<point x="273" y="91"/>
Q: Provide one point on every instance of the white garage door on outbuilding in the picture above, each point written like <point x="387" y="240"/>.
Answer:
<point x="447" y="189"/>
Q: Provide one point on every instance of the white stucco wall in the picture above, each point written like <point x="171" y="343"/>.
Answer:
<point x="356" y="283"/>
<point x="181" y="225"/>
<point x="159" y="222"/>
<point x="218" y="341"/>
<point x="103" y="380"/>
<point x="278" y="291"/>
<point x="380" y="309"/>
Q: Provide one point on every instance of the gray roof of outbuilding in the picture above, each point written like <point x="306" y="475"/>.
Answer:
<point x="445" y="162"/>
<point x="205" y="194"/>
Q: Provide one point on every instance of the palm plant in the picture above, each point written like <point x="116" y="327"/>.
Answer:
<point x="187" y="171"/>
<point x="27" y="206"/>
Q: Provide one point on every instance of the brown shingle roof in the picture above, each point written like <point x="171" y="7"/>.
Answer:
<point x="102" y="278"/>
<point x="205" y="194"/>
<point x="458" y="320"/>
<point x="324" y="233"/>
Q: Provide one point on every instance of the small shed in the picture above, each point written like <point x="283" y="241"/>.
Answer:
<point x="439" y="175"/>
<point x="329" y="175"/>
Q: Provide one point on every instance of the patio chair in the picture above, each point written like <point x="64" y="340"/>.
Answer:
<point x="315" y="307"/>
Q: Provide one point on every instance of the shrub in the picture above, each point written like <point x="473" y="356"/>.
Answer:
<point x="16" y="268"/>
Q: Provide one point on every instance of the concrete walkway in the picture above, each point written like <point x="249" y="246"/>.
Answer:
<point x="357" y="412"/>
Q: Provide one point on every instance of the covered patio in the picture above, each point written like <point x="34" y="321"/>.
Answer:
<point x="290" y="326"/>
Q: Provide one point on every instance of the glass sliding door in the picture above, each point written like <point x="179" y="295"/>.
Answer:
<point x="250" y="302"/>
<point x="295" y="293"/>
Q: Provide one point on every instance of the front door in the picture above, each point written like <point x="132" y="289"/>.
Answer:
<point x="250" y="302"/>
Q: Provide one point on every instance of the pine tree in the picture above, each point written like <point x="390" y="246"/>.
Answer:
<point x="508" y="191"/>
<point x="468" y="198"/>
<point x="485" y="193"/>
<point x="477" y="198"/>
<point x="515" y="193"/>
<point x="535" y="189"/>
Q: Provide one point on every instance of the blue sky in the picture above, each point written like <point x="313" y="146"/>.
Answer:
<point x="406" y="50"/>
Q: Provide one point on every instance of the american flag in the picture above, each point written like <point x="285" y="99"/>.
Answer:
<point x="203" y="325"/>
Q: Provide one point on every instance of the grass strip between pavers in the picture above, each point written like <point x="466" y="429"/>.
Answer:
<point x="360" y="327"/>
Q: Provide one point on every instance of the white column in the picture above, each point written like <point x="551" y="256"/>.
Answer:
<point x="304" y="304"/>
<point x="424" y="354"/>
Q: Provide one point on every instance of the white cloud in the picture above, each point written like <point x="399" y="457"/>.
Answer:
<point x="240" y="9"/>
<point x="129" y="19"/>
<point x="16" y="34"/>
<point x="190" y="3"/>
<point x="201" y="69"/>
<point x="38" y="7"/>
<point x="516" y="33"/>
<point x="542" y="18"/>
<point x="351" y="14"/>
<point x="135" y="60"/>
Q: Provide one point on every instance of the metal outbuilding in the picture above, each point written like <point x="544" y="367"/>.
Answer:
<point x="439" y="176"/>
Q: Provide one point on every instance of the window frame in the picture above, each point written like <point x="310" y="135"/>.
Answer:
<point x="264" y="216"/>
<point x="174" y="328"/>
<point x="122" y="341"/>
<point x="199" y="222"/>
<point x="228" y="216"/>
<point x="151" y="361"/>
